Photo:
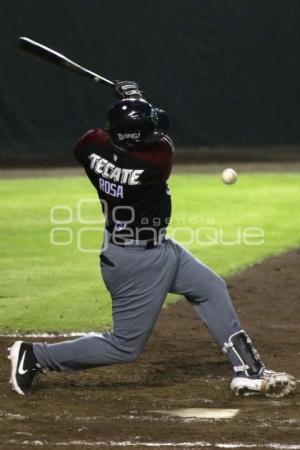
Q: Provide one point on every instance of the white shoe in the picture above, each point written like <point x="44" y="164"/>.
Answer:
<point x="270" y="384"/>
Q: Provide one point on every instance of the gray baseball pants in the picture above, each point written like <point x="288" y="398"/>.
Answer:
<point x="138" y="281"/>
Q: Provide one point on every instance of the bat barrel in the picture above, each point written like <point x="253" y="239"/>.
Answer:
<point x="54" y="57"/>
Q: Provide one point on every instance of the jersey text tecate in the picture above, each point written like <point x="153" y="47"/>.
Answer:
<point x="111" y="172"/>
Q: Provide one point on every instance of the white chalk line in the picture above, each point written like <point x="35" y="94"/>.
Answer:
<point x="48" y="335"/>
<point x="230" y="445"/>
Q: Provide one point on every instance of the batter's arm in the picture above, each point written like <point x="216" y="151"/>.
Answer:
<point x="161" y="155"/>
<point x="97" y="136"/>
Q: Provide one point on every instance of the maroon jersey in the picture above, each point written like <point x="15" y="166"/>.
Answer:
<point x="131" y="185"/>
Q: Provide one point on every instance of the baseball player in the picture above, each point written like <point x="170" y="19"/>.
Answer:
<point x="129" y="164"/>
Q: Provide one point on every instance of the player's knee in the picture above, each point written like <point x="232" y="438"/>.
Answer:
<point x="213" y="288"/>
<point x="128" y="350"/>
<point x="219" y="283"/>
<point x="217" y="287"/>
<point x="131" y="354"/>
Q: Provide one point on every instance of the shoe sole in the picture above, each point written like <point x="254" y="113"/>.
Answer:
<point x="14" y="351"/>
<point x="277" y="386"/>
<point x="282" y="386"/>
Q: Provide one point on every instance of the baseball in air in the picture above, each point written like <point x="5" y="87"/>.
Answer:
<point x="229" y="176"/>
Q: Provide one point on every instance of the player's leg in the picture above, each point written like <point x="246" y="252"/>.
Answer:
<point x="138" y="281"/>
<point x="208" y="293"/>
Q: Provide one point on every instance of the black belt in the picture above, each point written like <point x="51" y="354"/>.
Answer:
<point x="123" y="243"/>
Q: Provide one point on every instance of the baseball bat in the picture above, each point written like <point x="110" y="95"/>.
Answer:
<point x="37" y="49"/>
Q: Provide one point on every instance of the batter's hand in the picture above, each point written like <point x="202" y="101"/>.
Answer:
<point x="127" y="89"/>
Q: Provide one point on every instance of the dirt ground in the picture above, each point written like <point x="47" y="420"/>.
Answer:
<point x="116" y="406"/>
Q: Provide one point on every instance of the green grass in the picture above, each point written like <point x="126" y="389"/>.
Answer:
<point x="56" y="287"/>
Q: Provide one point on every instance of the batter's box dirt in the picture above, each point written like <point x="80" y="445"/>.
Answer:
<point x="115" y="407"/>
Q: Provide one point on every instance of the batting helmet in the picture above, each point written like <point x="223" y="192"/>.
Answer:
<point x="133" y="121"/>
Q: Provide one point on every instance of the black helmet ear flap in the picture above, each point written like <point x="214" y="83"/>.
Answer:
<point x="161" y="121"/>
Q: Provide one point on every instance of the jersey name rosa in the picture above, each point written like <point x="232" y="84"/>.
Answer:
<point x="111" y="172"/>
<point x="115" y="190"/>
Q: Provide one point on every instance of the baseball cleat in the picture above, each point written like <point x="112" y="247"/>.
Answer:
<point x="24" y="367"/>
<point x="270" y="384"/>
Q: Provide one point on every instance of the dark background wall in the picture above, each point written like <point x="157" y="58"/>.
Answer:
<point x="227" y="71"/>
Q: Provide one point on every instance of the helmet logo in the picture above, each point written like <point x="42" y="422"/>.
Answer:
<point x="122" y="136"/>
